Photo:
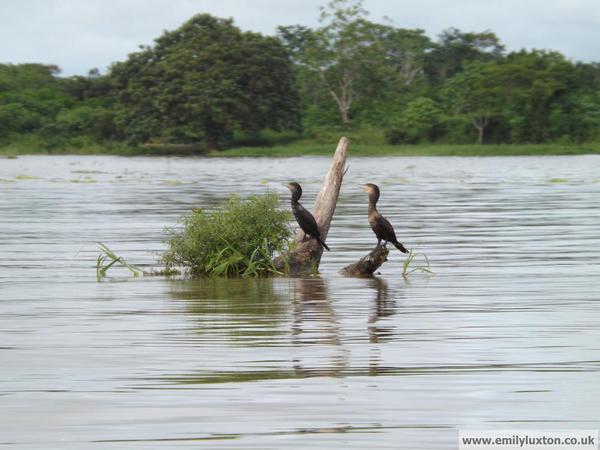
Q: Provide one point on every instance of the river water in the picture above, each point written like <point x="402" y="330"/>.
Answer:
<point x="505" y="334"/>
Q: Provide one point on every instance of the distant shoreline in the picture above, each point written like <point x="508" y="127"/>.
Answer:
<point x="357" y="150"/>
<point x="360" y="150"/>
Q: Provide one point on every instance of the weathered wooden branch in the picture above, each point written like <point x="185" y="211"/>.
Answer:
<point x="368" y="264"/>
<point x="307" y="256"/>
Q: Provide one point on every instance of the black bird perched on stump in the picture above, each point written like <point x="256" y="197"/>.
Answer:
<point x="379" y="224"/>
<point x="305" y="219"/>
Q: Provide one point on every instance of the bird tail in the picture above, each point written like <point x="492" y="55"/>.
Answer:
<point x="323" y="244"/>
<point x="400" y="247"/>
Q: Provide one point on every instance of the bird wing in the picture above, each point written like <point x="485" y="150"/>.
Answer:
<point x="388" y="229"/>
<point x="306" y="221"/>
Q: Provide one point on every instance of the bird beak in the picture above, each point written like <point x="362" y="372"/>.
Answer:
<point x="365" y="188"/>
<point x="288" y="186"/>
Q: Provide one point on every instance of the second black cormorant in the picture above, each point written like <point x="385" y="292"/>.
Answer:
<point x="379" y="224"/>
<point x="305" y="219"/>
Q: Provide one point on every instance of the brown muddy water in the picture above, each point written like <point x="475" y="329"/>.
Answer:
<point x="505" y="335"/>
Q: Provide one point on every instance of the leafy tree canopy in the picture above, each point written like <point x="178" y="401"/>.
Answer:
<point x="203" y="81"/>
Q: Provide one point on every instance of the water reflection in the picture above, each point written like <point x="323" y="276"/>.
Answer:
<point x="380" y="329"/>
<point x="294" y="313"/>
<point x="384" y="307"/>
<point x="314" y="324"/>
<point x="314" y="320"/>
<point x="246" y="311"/>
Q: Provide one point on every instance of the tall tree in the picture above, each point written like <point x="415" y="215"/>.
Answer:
<point x="31" y="95"/>
<point x="477" y="94"/>
<point x="337" y="56"/>
<point x="203" y="81"/>
<point x="405" y="52"/>
<point x="454" y="48"/>
<point x="524" y="91"/>
<point x="342" y="51"/>
<point x="351" y="59"/>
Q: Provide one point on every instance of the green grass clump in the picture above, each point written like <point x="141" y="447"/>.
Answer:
<point x="408" y="262"/>
<point x="108" y="258"/>
<point x="238" y="237"/>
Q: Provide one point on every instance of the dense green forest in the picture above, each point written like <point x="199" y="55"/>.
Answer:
<point x="209" y="83"/>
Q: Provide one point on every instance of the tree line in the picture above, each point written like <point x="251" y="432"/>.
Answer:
<point x="210" y="82"/>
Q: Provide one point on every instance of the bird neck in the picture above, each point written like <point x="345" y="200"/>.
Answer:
<point x="372" y="208"/>
<point x="373" y="197"/>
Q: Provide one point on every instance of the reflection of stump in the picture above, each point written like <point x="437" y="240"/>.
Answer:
<point x="307" y="256"/>
<point x="368" y="264"/>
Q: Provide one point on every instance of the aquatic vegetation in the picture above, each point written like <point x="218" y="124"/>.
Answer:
<point x="557" y="180"/>
<point x="88" y="171"/>
<point x="82" y="180"/>
<point x="108" y="259"/>
<point x="163" y="272"/>
<point x="238" y="237"/>
<point x="175" y="182"/>
<point x="26" y="177"/>
<point x="406" y="266"/>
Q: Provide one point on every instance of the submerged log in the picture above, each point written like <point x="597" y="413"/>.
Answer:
<point x="307" y="256"/>
<point x="368" y="264"/>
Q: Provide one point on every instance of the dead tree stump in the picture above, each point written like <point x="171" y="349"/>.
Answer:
<point x="307" y="256"/>
<point x="368" y="264"/>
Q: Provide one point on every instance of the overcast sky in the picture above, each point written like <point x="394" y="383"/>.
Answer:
<point x="80" y="34"/>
